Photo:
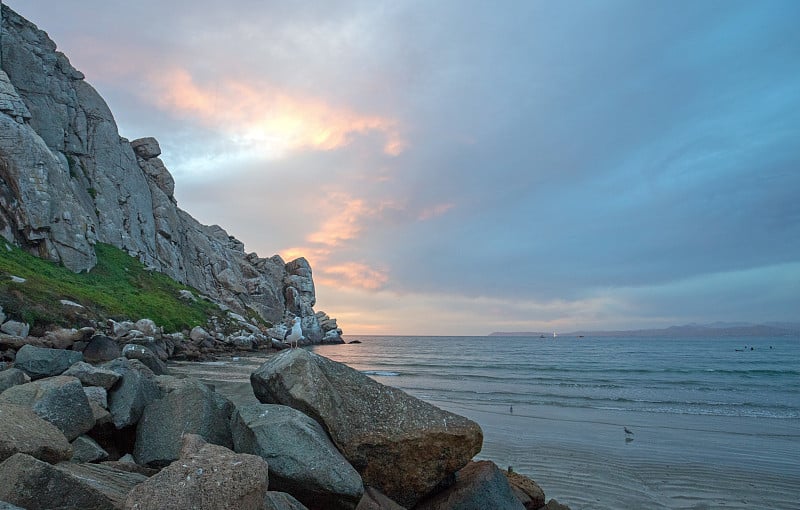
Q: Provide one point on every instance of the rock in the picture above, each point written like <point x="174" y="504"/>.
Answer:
<point x="39" y="362"/>
<point x="96" y="395"/>
<point x="36" y="485"/>
<point x="90" y="375"/>
<point x="15" y="328"/>
<point x="192" y="408"/>
<point x="146" y="356"/>
<point x="208" y="477"/>
<point x="526" y="490"/>
<point x="134" y="391"/>
<point x="101" y="348"/>
<point x="375" y="500"/>
<point x="399" y="444"/>
<point x="479" y="485"/>
<point x="148" y="327"/>
<point x="187" y="295"/>
<point x="12" y="377"/>
<point x="62" y="338"/>
<point x="23" y="431"/>
<point x="198" y="334"/>
<point x="86" y="449"/>
<point x="302" y="460"/>
<point x="275" y="500"/>
<point x="101" y="414"/>
<point x="113" y="482"/>
<point x="59" y="400"/>
<point x="146" y="148"/>
<point x="553" y="504"/>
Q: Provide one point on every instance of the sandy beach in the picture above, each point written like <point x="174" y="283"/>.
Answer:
<point x="583" y="458"/>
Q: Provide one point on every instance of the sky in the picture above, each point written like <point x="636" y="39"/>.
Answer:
<point x="458" y="167"/>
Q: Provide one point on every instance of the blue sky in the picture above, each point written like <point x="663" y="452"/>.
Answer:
<point x="457" y="167"/>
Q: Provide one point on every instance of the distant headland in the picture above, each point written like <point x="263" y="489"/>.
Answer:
<point x="716" y="329"/>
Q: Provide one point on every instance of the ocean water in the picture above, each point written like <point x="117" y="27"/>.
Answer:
<point x="715" y="422"/>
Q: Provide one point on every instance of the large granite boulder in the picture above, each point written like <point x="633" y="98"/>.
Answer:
<point x="36" y="485"/>
<point x="302" y="460"/>
<point x="526" y="490"/>
<point x="90" y="375"/>
<point x="206" y="477"/>
<point x="135" y="390"/>
<point x="39" y="362"/>
<point x="191" y="408"/>
<point x="149" y="358"/>
<point x="59" y="400"/>
<point x="23" y="431"/>
<point x="12" y="377"/>
<point x="478" y="486"/>
<point x="86" y="449"/>
<point x="399" y="444"/>
<point x="375" y="500"/>
<point x="276" y="500"/>
<point x="101" y="348"/>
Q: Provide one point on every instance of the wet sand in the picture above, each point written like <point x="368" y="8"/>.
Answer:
<point x="582" y="457"/>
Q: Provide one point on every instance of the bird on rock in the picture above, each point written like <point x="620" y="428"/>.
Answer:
<point x="294" y="335"/>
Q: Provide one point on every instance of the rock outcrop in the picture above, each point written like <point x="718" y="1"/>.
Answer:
<point x="399" y="444"/>
<point x="68" y="181"/>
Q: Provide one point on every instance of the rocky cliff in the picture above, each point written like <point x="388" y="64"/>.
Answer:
<point x="68" y="180"/>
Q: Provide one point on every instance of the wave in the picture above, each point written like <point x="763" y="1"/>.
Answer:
<point x="380" y="373"/>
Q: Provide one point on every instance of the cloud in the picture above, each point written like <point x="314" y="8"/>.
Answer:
<point x="265" y="117"/>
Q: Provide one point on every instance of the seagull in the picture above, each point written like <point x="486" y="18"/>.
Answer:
<point x="628" y="431"/>
<point x="295" y="334"/>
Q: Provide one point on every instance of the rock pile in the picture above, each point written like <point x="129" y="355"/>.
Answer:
<point x="114" y="434"/>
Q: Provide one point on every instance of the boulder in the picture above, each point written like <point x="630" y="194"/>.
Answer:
<point x="302" y="460"/>
<point x="191" y="408"/>
<point x="96" y="395"/>
<point x="375" y="500"/>
<point x="101" y="348"/>
<point x="526" y="490"/>
<point x="134" y="391"/>
<point x="478" y="486"/>
<point x="399" y="444"/>
<point x="23" y="431"/>
<point x="90" y="375"/>
<point x="59" y="400"/>
<point x="553" y="504"/>
<point x="15" y="328"/>
<point x="148" y="327"/>
<point x="12" y="377"/>
<point x="146" y="148"/>
<point x="36" y="485"/>
<point x="86" y="449"/>
<point x="113" y="482"/>
<point x="206" y="477"/>
<point x="198" y="335"/>
<point x="39" y="362"/>
<point x="274" y="500"/>
<point x="149" y="358"/>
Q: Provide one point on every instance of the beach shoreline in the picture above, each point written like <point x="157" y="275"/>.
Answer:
<point x="583" y="457"/>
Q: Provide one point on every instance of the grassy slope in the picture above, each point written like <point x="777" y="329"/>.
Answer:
<point x="119" y="287"/>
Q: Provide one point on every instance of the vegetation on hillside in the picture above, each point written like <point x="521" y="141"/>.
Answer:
<point x="119" y="287"/>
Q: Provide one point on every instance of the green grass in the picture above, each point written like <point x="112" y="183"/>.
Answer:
<point x="119" y="288"/>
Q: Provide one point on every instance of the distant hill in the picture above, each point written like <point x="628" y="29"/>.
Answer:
<point x="717" y="329"/>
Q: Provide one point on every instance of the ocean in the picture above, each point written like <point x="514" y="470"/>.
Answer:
<point x="715" y="423"/>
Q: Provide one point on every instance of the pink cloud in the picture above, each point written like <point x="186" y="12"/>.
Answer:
<point x="277" y="121"/>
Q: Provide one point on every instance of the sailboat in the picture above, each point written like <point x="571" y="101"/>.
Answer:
<point x="554" y="334"/>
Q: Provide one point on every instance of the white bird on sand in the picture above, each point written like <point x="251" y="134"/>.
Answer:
<point x="295" y="334"/>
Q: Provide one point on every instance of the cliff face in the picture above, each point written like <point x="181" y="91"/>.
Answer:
<point x="68" y="181"/>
